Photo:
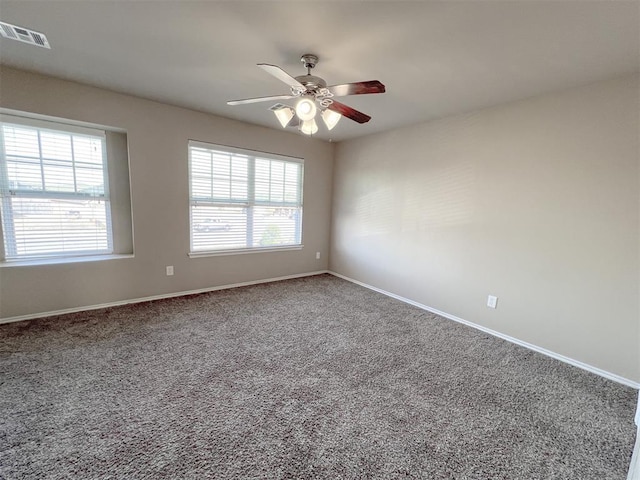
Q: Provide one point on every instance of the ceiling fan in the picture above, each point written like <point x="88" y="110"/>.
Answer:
<point x="313" y="95"/>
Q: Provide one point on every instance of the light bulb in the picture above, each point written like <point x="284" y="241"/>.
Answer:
<point x="309" y="127"/>
<point x="306" y="109"/>
<point x="330" y="118"/>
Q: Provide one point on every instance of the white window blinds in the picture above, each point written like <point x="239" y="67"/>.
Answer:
<point x="53" y="190"/>
<point x="243" y="200"/>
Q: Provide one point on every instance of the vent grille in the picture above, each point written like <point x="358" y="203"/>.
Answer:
<point x="278" y="106"/>
<point x="21" y="34"/>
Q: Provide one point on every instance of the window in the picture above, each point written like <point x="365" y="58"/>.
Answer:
<point x="54" y="195"/>
<point x="243" y="200"/>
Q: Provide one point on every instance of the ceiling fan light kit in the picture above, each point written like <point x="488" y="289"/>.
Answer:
<point x="313" y="96"/>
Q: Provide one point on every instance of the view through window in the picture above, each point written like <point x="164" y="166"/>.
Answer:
<point x="243" y="200"/>
<point x="53" y="190"/>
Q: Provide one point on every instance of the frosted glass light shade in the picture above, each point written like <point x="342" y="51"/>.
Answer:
<point x="284" y="115"/>
<point x="330" y="118"/>
<point x="306" y="109"/>
<point x="309" y="127"/>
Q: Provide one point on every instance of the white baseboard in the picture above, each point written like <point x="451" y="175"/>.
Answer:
<point x="634" y="468"/>
<point x="576" y="363"/>
<point x="32" y="316"/>
<point x="544" y="351"/>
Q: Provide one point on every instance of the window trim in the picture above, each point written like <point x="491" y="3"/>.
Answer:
<point x="243" y="251"/>
<point x="43" y="123"/>
<point x="250" y="203"/>
<point x="33" y="261"/>
<point x="53" y="125"/>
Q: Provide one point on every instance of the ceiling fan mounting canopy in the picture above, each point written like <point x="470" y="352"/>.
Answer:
<point x="315" y="88"/>
<point x="309" y="60"/>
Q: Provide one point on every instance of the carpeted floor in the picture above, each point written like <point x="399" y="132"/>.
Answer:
<point x="306" y="378"/>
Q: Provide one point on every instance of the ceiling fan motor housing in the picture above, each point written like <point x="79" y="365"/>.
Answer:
<point x="311" y="82"/>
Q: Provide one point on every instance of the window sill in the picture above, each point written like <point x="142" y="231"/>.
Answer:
<point x="62" y="260"/>
<point x="243" y="251"/>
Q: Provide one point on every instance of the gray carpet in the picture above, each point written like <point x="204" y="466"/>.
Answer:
<point x="307" y="378"/>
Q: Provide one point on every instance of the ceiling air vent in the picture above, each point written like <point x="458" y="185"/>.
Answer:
<point x="278" y="106"/>
<point x="14" y="32"/>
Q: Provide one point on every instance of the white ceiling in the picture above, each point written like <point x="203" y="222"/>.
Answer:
<point x="435" y="58"/>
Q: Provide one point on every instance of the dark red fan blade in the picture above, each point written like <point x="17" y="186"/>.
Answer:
<point x="349" y="112"/>
<point x="357" y="88"/>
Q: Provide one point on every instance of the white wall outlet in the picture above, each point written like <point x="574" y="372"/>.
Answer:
<point x="492" y="302"/>
<point x="169" y="270"/>
<point x="317" y="255"/>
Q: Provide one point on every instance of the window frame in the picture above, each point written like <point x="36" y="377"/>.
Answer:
<point x="249" y="204"/>
<point x="6" y="212"/>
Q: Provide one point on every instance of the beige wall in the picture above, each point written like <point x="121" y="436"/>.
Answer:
<point x="535" y="201"/>
<point x="158" y="136"/>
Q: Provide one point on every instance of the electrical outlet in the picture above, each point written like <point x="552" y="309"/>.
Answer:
<point x="317" y="255"/>
<point x="169" y="270"/>
<point x="492" y="302"/>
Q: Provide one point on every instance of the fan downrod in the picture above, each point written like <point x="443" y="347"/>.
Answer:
<point x="311" y="82"/>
